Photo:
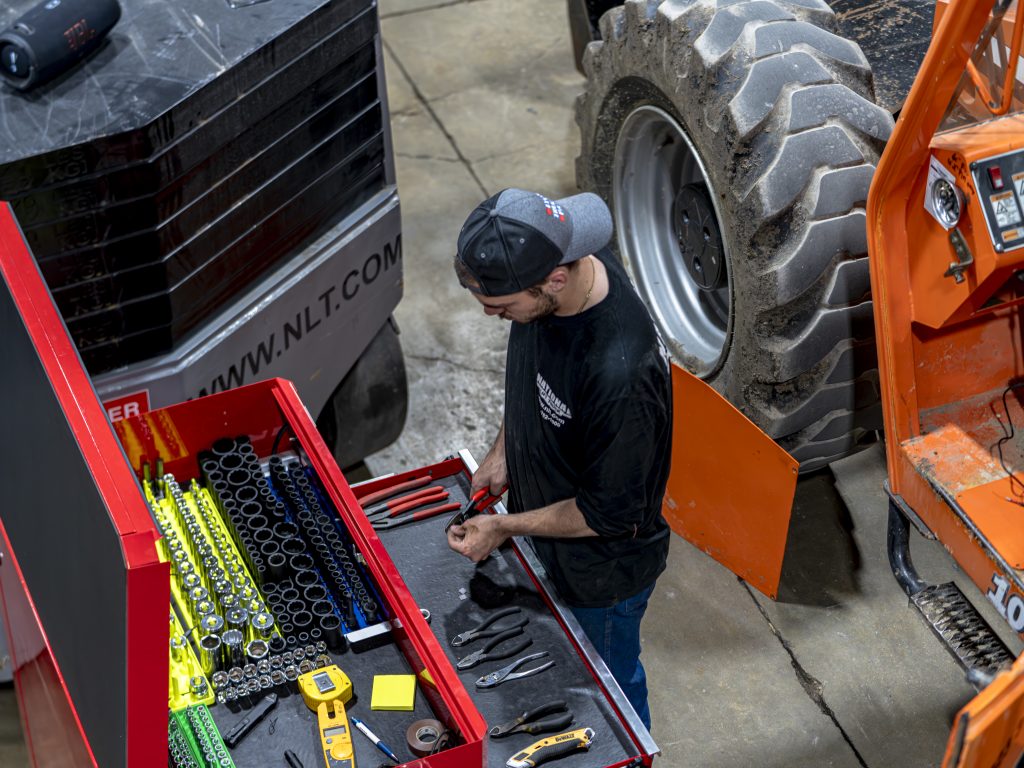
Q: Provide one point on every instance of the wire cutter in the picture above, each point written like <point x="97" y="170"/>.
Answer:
<point x="487" y="653"/>
<point x="382" y="524"/>
<point x="482" y="500"/>
<point x="397" y="506"/>
<point x="485" y="629"/>
<point x="499" y="676"/>
<point x="529" y="721"/>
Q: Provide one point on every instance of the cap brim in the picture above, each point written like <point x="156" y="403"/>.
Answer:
<point x="591" y="225"/>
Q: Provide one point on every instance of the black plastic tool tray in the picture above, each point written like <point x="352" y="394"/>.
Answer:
<point x="439" y="580"/>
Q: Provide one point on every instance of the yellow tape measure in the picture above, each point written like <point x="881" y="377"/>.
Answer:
<point x="322" y="686"/>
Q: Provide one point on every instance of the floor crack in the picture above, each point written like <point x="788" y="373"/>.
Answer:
<point x="430" y="110"/>
<point x="811" y="685"/>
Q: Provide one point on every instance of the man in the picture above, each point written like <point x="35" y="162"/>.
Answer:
<point x="584" y="445"/>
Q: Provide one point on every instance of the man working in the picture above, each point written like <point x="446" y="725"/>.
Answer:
<point x="584" y="445"/>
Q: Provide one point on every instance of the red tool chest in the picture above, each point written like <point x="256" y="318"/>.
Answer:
<point x="86" y="596"/>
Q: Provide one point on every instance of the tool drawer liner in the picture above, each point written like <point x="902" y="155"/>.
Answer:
<point x="439" y="580"/>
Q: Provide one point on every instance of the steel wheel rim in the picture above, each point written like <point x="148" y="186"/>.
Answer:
<point x="654" y="159"/>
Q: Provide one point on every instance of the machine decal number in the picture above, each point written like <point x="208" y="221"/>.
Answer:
<point x="1004" y="206"/>
<point x="1009" y="605"/>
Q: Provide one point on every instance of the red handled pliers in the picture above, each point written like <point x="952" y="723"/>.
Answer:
<point x="400" y="504"/>
<point x="482" y="501"/>
<point x="383" y="523"/>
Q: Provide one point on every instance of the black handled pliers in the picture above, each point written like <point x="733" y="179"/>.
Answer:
<point x="481" y="501"/>
<point x="531" y="722"/>
<point x="486" y="629"/>
<point x="488" y="652"/>
<point x="499" y="676"/>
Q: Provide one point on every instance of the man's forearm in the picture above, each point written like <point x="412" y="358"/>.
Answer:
<point x="562" y="519"/>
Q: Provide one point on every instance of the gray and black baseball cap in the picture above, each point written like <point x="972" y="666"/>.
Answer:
<point x="513" y="240"/>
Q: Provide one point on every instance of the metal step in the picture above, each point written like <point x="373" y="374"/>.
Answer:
<point x="962" y="629"/>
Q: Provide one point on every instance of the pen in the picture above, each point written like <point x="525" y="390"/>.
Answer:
<point x="372" y="737"/>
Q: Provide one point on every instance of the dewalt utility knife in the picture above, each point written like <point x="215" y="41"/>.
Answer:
<point x="551" y="748"/>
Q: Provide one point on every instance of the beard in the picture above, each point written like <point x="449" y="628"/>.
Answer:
<point x="546" y="305"/>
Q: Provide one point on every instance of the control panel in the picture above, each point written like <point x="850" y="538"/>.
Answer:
<point x="1000" y="184"/>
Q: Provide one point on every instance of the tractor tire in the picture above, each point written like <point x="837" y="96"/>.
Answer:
<point x="735" y="144"/>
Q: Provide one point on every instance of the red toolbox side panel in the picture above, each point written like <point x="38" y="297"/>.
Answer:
<point x="59" y="574"/>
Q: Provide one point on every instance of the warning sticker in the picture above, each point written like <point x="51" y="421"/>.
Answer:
<point x="1009" y="235"/>
<point x="1005" y="208"/>
<point x="1018" y="187"/>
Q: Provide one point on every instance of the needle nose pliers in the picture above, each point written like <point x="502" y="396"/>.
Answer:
<point x="532" y="722"/>
<point x="486" y="628"/>
<point x="400" y="504"/>
<point x="488" y="652"/>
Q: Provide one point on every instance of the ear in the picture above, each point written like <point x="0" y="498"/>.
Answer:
<point x="558" y="279"/>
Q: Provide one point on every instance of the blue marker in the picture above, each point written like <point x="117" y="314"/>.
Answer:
<point x="373" y="737"/>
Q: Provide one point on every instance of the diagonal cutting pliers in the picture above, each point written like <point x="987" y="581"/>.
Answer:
<point x="533" y="722"/>
<point x="499" y="676"/>
<point x="481" y="501"/>
<point x="486" y="628"/>
<point x="490" y="650"/>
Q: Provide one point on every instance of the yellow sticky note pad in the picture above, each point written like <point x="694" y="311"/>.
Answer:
<point x="394" y="692"/>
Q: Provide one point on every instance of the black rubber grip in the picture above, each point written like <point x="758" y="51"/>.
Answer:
<point x="544" y="754"/>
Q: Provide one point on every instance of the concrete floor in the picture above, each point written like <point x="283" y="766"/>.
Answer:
<point x="839" y="671"/>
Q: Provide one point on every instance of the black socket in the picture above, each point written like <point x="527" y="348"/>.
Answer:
<point x="294" y="608"/>
<point x="277" y="644"/>
<point x="314" y="593"/>
<point x="246" y="493"/>
<point x="301" y="562"/>
<point x="263" y="535"/>
<point x="278" y="565"/>
<point x="293" y="546"/>
<point x="322" y="608"/>
<point x="315" y="634"/>
<point x="306" y="579"/>
<point x="223" y="446"/>
<point x="285" y="530"/>
<point x="270" y="589"/>
<point x="333" y="538"/>
<point x="316" y="541"/>
<point x="331" y="627"/>
<point x="303" y="638"/>
<point x="231" y="461"/>
<point x="289" y="593"/>
<point x="292" y="641"/>
<point x="302" y="620"/>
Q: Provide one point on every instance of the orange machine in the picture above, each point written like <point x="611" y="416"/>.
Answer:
<point x="946" y="240"/>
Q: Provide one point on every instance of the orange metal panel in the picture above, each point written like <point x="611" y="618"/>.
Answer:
<point x="988" y="731"/>
<point x="731" y="489"/>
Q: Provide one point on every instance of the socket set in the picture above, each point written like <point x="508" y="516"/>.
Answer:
<point x="194" y="741"/>
<point x="265" y="579"/>
<point x="275" y="674"/>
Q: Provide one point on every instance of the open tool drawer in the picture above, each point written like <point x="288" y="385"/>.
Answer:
<point x="461" y="595"/>
<point x="87" y="570"/>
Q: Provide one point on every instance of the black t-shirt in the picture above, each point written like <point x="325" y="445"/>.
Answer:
<point x="588" y="414"/>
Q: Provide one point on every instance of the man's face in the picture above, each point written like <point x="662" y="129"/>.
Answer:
<point x="522" y="307"/>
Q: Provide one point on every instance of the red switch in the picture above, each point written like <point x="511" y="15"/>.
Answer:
<point x="995" y="177"/>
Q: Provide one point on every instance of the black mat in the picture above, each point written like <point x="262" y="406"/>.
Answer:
<point x="439" y="580"/>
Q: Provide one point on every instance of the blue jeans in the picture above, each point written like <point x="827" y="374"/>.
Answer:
<point x="615" y="633"/>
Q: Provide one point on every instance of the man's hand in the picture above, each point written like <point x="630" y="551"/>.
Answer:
<point x="492" y="472"/>
<point x="478" y="536"/>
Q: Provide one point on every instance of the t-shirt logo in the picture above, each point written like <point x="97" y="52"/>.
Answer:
<point x="552" y="409"/>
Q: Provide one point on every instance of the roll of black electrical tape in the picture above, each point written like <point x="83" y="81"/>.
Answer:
<point x="53" y="36"/>
<point x="422" y="736"/>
